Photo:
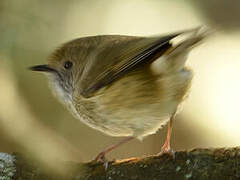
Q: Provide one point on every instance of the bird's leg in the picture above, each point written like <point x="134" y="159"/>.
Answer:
<point x="166" y="146"/>
<point x="101" y="155"/>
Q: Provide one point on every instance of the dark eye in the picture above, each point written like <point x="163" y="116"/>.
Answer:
<point x="68" y="64"/>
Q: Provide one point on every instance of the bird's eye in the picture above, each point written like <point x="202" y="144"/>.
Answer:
<point x="68" y="64"/>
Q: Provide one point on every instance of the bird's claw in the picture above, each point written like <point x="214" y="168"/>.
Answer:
<point x="167" y="150"/>
<point x="101" y="158"/>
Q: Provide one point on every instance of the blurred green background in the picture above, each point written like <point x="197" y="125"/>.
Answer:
<point x="33" y="121"/>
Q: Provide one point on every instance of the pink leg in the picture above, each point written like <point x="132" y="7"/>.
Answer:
<point x="166" y="146"/>
<point x="101" y="155"/>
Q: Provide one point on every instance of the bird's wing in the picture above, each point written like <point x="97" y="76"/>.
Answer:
<point x="119" y="58"/>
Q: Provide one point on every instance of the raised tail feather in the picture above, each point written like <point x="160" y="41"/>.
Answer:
<point x="174" y="59"/>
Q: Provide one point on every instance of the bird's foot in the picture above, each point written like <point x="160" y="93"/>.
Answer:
<point x="101" y="158"/>
<point x="166" y="149"/>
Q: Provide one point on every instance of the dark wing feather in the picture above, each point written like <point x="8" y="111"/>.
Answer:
<point x="125" y="56"/>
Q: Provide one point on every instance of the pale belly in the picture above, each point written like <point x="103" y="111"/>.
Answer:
<point x="137" y="122"/>
<point x="133" y="107"/>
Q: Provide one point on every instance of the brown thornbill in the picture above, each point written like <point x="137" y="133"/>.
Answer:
<point x="123" y="85"/>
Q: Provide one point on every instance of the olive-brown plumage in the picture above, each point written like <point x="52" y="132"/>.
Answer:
<point x="123" y="85"/>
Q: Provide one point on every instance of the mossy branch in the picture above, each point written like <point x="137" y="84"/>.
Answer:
<point x="219" y="163"/>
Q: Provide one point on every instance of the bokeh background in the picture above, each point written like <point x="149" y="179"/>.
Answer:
<point x="33" y="122"/>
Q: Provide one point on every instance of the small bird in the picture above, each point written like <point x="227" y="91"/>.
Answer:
<point x="124" y="85"/>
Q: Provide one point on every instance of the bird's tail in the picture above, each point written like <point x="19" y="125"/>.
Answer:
<point x="189" y="39"/>
<point x="174" y="59"/>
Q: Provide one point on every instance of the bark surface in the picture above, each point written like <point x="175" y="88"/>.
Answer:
<point x="219" y="163"/>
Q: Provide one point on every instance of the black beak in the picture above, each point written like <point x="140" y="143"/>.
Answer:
<point x="44" y="68"/>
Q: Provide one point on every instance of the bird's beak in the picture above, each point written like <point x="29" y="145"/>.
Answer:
<point x="44" y="68"/>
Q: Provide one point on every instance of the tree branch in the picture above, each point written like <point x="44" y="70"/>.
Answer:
<point x="220" y="163"/>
